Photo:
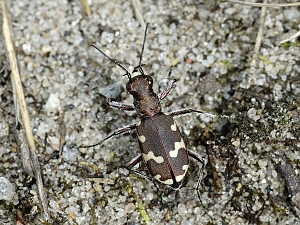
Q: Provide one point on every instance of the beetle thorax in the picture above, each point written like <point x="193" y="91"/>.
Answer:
<point x="146" y="101"/>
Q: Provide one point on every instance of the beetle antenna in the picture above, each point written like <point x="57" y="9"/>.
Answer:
<point x="139" y="67"/>
<point x="115" y="62"/>
<point x="144" y="41"/>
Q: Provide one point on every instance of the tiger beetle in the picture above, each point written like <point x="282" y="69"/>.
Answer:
<point x="162" y="147"/>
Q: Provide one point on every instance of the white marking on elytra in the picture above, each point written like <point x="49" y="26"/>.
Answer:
<point x="178" y="145"/>
<point x="142" y="138"/>
<point x="139" y="123"/>
<point x="185" y="167"/>
<point x="150" y="155"/>
<point x="168" y="182"/>
<point x="174" y="127"/>
<point x="180" y="177"/>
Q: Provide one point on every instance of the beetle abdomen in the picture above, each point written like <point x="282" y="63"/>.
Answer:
<point x="163" y="148"/>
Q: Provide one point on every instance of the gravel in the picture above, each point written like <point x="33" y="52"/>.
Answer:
<point x="209" y="46"/>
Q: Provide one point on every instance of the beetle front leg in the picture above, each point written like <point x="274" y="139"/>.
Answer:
<point x="122" y="106"/>
<point x="168" y="89"/>
<point x="118" y="132"/>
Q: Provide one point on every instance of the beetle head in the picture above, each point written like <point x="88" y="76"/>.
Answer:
<point x="146" y="100"/>
<point x="139" y="86"/>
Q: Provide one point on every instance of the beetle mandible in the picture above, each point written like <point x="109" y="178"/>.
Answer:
<point x="162" y="146"/>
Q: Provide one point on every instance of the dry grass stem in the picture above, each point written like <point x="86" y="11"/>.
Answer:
<point x="136" y="4"/>
<point x="86" y="7"/>
<point x="268" y="5"/>
<point x="30" y="160"/>
<point x="291" y="37"/>
<point x="258" y="41"/>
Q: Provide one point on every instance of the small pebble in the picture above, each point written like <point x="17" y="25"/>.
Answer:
<point x="46" y="49"/>
<point x="52" y="103"/>
<point x="7" y="190"/>
<point x="130" y="207"/>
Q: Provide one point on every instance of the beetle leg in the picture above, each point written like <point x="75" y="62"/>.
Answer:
<point x="118" y="132"/>
<point x="195" y="156"/>
<point x="168" y="89"/>
<point x="122" y="106"/>
<point x="135" y="161"/>
<point x="186" y="111"/>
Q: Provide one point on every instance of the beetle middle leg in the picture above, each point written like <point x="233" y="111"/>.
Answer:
<point x="118" y="132"/>
<point x="186" y="111"/>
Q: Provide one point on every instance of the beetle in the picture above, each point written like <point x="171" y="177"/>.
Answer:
<point x="161" y="143"/>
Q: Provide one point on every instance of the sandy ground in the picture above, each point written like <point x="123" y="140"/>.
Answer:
<point x="251" y="148"/>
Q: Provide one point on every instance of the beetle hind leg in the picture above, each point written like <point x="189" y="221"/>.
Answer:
<point x="195" y="156"/>
<point x="135" y="161"/>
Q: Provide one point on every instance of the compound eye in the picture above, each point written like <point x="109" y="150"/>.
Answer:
<point x="128" y="87"/>
<point x="150" y="80"/>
